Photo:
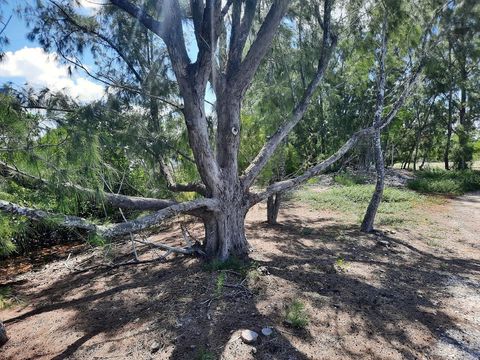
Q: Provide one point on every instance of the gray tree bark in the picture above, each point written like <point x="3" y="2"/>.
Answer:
<point x="227" y="195"/>
<point x="369" y="218"/>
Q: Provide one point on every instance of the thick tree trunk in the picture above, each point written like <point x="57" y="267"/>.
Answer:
<point x="225" y="232"/>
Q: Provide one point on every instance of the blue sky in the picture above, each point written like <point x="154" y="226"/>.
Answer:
<point x="26" y="62"/>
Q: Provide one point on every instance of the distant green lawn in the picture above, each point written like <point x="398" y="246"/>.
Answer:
<point x="352" y="200"/>
<point x="451" y="182"/>
<point x="438" y="165"/>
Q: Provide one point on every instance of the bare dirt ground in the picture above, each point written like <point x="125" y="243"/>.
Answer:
<point x="412" y="293"/>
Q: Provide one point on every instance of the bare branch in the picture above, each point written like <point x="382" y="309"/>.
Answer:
<point x="328" y="44"/>
<point x="285" y="185"/>
<point x="147" y="221"/>
<point x="247" y="69"/>
<point x="40" y="215"/>
<point x="116" y="200"/>
<point x="111" y="231"/>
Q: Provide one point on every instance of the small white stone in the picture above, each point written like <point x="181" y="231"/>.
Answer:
<point x="249" y="336"/>
<point x="267" y="331"/>
<point x="155" y="347"/>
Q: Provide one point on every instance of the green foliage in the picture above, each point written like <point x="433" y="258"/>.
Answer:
<point x="445" y="182"/>
<point x="348" y="179"/>
<point x="341" y="264"/>
<point x="7" y="299"/>
<point x="354" y="199"/>
<point x="14" y="233"/>
<point x="219" y="284"/>
<point x="203" y="354"/>
<point x="96" y="240"/>
<point x="232" y="263"/>
<point x="296" y="315"/>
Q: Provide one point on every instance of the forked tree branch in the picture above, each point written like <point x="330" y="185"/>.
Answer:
<point x="172" y="186"/>
<point x="328" y="44"/>
<point x="285" y="185"/>
<point x="247" y="69"/>
<point x="321" y="167"/>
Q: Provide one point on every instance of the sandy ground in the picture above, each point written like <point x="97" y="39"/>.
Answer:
<point x="412" y="293"/>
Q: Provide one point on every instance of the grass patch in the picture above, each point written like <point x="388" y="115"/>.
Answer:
<point x="445" y="182"/>
<point x="296" y="315"/>
<point x="203" y="354"/>
<point x="353" y="200"/>
<point x="347" y="179"/>
<point x="219" y="284"/>
<point x="233" y="264"/>
<point x="7" y="299"/>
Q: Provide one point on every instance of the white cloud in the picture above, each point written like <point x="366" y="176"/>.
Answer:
<point x="41" y="69"/>
<point x="91" y="4"/>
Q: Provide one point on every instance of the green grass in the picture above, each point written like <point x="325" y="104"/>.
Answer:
<point x="230" y="264"/>
<point x="7" y="299"/>
<point x="203" y="354"/>
<point x="354" y="199"/>
<point x="347" y="179"/>
<point x="219" y="285"/>
<point x="445" y="182"/>
<point x="296" y="315"/>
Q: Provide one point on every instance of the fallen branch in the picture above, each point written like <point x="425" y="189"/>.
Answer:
<point x="114" y="230"/>
<point x="116" y="200"/>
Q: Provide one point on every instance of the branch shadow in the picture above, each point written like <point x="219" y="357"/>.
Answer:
<point x="175" y="309"/>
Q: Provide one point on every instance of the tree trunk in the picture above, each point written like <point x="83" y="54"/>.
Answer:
<point x="273" y="207"/>
<point x="367" y="224"/>
<point x="369" y="218"/>
<point x="450" y="110"/>
<point x="274" y="201"/>
<point x="446" y="155"/>
<point x="225" y="232"/>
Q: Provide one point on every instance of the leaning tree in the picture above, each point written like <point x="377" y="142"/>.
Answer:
<point x="231" y="40"/>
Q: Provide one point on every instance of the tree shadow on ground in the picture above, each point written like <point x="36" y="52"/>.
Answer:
<point x="181" y="309"/>
<point x="397" y="301"/>
<point x="168" y="310"/>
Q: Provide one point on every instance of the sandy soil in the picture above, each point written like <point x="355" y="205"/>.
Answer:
<point x="412" y="293"/>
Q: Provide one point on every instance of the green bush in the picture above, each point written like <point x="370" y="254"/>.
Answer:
<point x="296" y="315"/>
<point x="446" y="182"/>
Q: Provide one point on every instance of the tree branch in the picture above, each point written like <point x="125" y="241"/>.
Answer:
<point x="115" y="200"/>
<point x="40" y="215"/>
<point x="110" y="231"/>
<point x="328" y="44"/>
<point x="147" y="221"/>
<point x="247" y="69"/>
<point x="285" y="185"/>
<point x="172" y="186"/>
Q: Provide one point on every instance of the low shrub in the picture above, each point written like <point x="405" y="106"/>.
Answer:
<point x="445" y="182"/>
<point x="296" y="315"/>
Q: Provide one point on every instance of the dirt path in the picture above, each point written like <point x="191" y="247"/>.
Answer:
<point x="463" y="303"/>
<point x="412" y="293"/>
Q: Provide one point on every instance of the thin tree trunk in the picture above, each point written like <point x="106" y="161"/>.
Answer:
<point x="274" y="201"/>
<point x="369" y="218"/>
<point x="446" y="154"/>
<point x="449" y="132"/>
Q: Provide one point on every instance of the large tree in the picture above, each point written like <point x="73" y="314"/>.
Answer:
<point x="231" y="39"/>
